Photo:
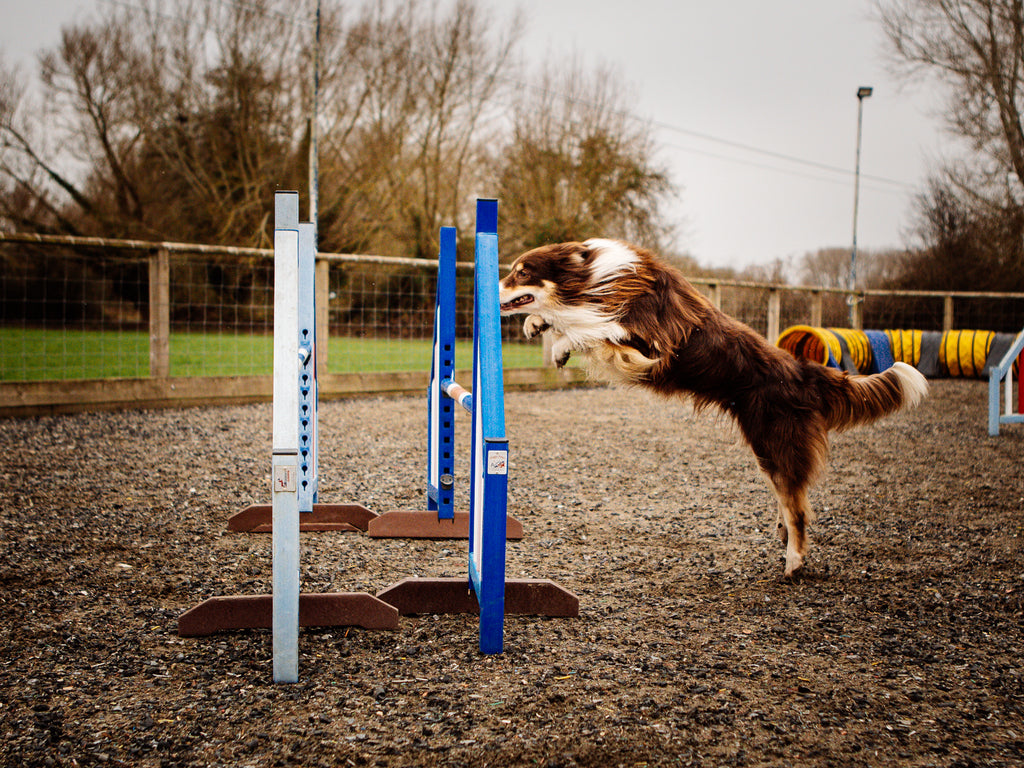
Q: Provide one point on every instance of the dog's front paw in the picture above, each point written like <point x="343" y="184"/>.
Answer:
<point x="560" y="351"/>
<point x="534" y="325"/>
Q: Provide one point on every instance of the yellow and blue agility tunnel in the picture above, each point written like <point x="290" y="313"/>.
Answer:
<point x="881" y="351"/>
<point x="905" y="346"/>
<point x="963" y="353"/>
<point x="919" y="349"/>
<point x="972" y="353"/>
<point x="810" y="343"/>
<point x="856" y="349"/>
<point x="934" y="353"/>
<point x="842" y="348"/>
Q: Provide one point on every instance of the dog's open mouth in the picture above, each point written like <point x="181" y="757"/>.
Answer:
<point x="518" y="301"/>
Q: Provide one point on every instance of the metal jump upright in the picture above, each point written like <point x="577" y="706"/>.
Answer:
<point x="1002" y="374"/>
<point x="293" y="477"/>
<point x="486" y="590"/>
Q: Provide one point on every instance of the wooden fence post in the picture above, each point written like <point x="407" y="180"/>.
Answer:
<point x="715" y="295"/>
<point x="947" y="313"/>
<point x="160" y="314"/>
<point x="856" y="311"/>
<point x="547" y="351"/>
<point x="774" y="314"/>
<point x="816" y="302"/>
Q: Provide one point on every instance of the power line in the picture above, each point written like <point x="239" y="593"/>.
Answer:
<point x="891" y="188"/>
<point x="778" y="155"/>
<point x="626" y="114"/>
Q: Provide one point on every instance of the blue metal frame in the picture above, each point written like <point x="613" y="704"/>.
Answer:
<point x="441" y="408"/>
<point x="488" y="490"/>
<point x="308" y="392"/>
<point x="996" y="374"/>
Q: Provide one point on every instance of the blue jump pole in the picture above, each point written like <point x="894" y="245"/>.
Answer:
<point x="440" y="520"/>
<point x="489" y="464"/>
<point x="441" y="426"/>
<point x="306" y="411"/>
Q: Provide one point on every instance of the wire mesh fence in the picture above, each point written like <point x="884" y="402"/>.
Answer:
<point x="72" y="313"/>
<point x="78" y="309"/>
<point x="86" y="312"/>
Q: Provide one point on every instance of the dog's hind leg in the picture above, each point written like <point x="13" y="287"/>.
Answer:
<point x="791" y="450"/>
<point x="780" y="523"/>
<point x="795" y="513"/>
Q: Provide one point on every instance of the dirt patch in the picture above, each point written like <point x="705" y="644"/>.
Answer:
<point x="903" y="644"/>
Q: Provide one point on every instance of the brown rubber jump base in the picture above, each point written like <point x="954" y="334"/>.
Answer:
<point x="523" y="597"/>
<point x="423" y="524"/>
<point x="332" y="609"/>
<point x="257" y="518"/>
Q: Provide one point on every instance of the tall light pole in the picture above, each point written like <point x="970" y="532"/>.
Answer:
<point x="862" y="93"/>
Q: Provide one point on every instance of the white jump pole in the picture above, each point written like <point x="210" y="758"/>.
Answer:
<point x="293" y="473"/>
<point x="287" y="361"/>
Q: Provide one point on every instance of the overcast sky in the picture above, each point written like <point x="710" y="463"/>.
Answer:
<point x="718" y="80"/>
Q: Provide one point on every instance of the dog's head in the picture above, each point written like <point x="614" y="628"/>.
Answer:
<point x="553" y="277"/>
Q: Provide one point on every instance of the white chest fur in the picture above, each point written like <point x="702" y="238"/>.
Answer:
<point x="585" y="326"/>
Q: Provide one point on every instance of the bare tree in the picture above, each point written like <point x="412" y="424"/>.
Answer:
<point x="185" y="116"/>
<point x="364" y="130"/>
<point x="830" y="267"/>
<point x="826" y="267"/>
<point x="977" y="48"/>
<point x="425" y="82"/>
<point x="963" y="247"/>
<point x="578" y="165"/>
<point x="464" y="60"/>
<point x="178" y="120"/>
<point x="31" y="179"/>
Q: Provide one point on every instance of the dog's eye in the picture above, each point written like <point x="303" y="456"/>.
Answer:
<point x="524" y="273"/>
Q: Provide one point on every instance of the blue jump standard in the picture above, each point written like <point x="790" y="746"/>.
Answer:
<point x="440" y="520"/>
<point x="486" y="591"/>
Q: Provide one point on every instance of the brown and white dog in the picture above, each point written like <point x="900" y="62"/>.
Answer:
<point x="638" y="321"/>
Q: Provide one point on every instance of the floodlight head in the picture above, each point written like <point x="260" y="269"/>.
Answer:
<point x="864" y="91"/>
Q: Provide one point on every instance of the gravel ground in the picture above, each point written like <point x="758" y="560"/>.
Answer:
<point x="902" y="645"/>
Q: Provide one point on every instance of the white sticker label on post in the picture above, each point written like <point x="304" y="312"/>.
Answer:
<point x="497" y="463"/>
<point x="284" y="479"/>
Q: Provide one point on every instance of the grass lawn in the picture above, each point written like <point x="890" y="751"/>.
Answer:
<point x="38" y="354"/>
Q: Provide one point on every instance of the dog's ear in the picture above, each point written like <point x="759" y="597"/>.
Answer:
<point x="570" y="252"/>
<point x="576" y="253"/>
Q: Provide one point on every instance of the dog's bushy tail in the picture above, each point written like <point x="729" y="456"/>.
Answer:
<point x="853" y="400"/>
